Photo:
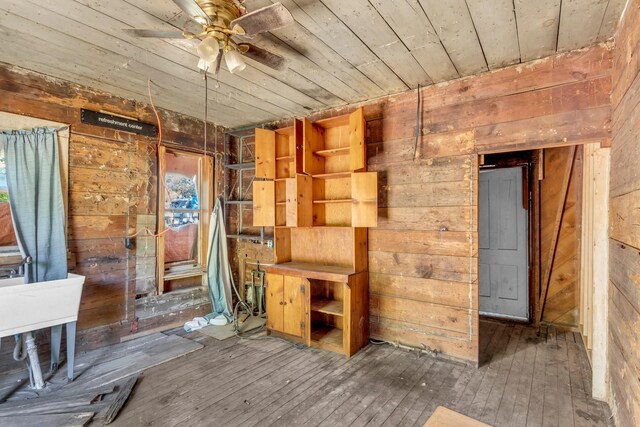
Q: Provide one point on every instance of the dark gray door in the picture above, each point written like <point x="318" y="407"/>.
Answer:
<point x="503" y="260"/>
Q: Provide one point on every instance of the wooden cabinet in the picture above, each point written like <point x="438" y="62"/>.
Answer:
<point x="279" y="152"/>
<point x="264" y="209"/>
<point x="334" y="147"/>
<point x="364" y="203"/>
<point x="339" y="314"/>
<point x="350" y="201"/>
<point x="320" y="198"/>
<point x="298" y="201"/>
<point x="286" y="301"/>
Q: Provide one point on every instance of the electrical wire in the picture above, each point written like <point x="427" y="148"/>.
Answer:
<point x="155" y="111"/>
<point x="418" y="110"/>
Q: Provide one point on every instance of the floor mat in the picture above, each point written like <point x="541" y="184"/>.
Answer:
<point x="226" y="331"/>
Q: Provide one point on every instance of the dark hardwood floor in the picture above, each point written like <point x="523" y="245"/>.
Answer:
<point x="529" y="377"/>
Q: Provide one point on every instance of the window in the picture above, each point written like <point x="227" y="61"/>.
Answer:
<point x="8" y="242"/>
<point x="185" y="206"/>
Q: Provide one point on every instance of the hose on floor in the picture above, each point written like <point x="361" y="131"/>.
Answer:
<point x="20" y="350"/>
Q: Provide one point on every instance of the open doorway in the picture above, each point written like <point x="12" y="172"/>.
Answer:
<point x="529" y="235"/>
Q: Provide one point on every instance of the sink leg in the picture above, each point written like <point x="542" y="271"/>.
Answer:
<point x="56" y="338"/>
<point x="71" y="349"/>
<point x="34" y="362"/>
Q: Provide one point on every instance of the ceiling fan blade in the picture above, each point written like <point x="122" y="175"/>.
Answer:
<point x="193" y="10"/>
<point x="264" y="19"/>
<point x="153" y="33"/>
<point x="265" y="57"/>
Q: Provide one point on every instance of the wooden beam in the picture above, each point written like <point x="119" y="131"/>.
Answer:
<point x="600" y="312"/>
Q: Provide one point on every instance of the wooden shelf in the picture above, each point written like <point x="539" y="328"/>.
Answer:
<point x="285" y="158"/>
<point x="280" y="179"/>
<point x="281" y="203"/>
<point x="332" y="201"/>
<point x="327" y="306"/>
<point x="341" y="151"/>
<point x="327" y="335"/>
<point x="334" y="175"/>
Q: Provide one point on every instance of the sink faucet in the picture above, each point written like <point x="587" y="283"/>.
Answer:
<point x="25" y="261"/>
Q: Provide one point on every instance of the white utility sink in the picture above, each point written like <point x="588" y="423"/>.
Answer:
<point x="28" y="307"/>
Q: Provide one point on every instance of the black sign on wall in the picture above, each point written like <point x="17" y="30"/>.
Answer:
<point x="119" y="123"/>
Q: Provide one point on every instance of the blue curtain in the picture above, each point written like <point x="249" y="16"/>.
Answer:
<point x="218" y="268"/>
<point x="35" y="197"/>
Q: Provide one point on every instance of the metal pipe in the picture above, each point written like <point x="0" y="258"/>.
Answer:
<point x="34" y="361"/>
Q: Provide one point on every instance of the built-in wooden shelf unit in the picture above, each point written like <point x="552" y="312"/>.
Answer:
<point x="314" y="189"/>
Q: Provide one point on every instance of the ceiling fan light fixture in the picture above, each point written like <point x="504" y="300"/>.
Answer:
<point x="206" y="66"/>
<point x="208" y="49"/>
<point x="234" y="61"/>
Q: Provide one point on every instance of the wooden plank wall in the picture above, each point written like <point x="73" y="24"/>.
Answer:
<point x="560" y="212"/>
<point x="624" y="225"/>
<point x="423" y="255"/>
<point x="112" y="180"/>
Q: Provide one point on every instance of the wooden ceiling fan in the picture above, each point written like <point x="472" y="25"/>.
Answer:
<point x="221" y="21"/>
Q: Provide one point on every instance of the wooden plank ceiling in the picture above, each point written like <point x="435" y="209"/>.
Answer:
<point x="338" y="52"/>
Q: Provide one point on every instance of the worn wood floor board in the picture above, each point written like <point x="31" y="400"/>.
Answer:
<point x="565" y="406"/>
<point x="202" y="395"/>
<point x="500" y="381"/>
<point x="536" y="402"/>
<point x="490" y="349"/>
<point x="243" y="397"/>
<point x="267" y="382"/>
<point x="333" y="396"/>
<point x="482" y="395"/>
<point x="587" y="411"/>
<point x="443" y="397"/>
<point x="382" y="390"/>
<point x="202" y="361"/>
<point x="524" y="381"/>
<point x="230" y="373"/>
<point x="223" y="363"/>
<point x="278" y="396"/>
<point x="430" y="370"/>
<point x="505" y="411"/>
<point x="550" y="412"/>
<point x="286" y="404"/>
<point x="400" y="391"/>
<point x="428" y="394"/>
<point x="307" y="399"/>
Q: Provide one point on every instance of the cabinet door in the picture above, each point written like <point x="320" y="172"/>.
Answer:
<point x="294" y="306"/>
<point x="274" y="295"/>
<point x="265" y="154"/>
<point x="364" y="192"/>
<point x="299" y="203"/>
<point x="357" y="151"/>
<point x="264" y="204"/>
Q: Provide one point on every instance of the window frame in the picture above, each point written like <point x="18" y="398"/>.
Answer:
<point x="204" y="184"/>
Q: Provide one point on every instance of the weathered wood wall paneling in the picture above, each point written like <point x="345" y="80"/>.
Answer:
<point x="624" y="223"/>
<point x="423" y="254"/>
<point x="111" y="184"/>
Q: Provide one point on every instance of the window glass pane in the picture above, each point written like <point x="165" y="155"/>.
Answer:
<point x="8" y="240"/>
<point x="182" y="206"/>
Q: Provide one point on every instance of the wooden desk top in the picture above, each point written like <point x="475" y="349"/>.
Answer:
<point x="312" y="271"/>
